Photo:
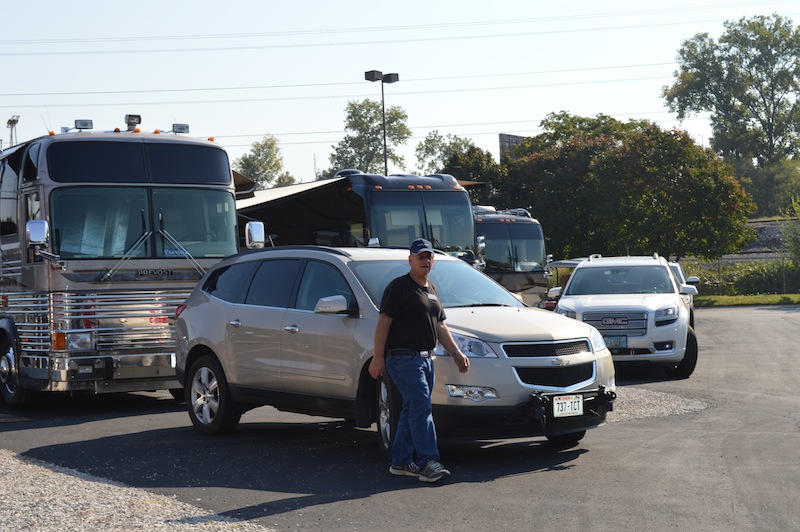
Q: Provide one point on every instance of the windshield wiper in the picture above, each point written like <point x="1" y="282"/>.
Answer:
<point x="480" y="305"/>
<point x="184" y="253"/>
<point x="129" y="252"/>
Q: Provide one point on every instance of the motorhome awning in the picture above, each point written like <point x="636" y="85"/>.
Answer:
<point x="271" y="194"/>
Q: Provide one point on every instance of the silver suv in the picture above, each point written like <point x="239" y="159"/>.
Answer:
<point x="293" y="327"/>
<point x="636" y="303"/>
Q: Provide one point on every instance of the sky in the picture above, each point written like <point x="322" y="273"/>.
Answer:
<point x="239" y="70"/>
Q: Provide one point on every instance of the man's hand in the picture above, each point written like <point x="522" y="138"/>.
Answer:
<point x="376" y="367"/>
<point x="461" y="361"/>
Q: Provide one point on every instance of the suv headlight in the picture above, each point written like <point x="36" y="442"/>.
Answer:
<point x="666" y="315"/>
<point x="470" y="346"/>
<point x="598" y="342"/>
<point x="564" y="311"/>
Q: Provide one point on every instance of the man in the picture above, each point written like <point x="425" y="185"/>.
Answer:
<point x="410" y="323"/>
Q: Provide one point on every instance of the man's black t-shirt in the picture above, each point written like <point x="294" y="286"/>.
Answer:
<point x="415" y="311"/>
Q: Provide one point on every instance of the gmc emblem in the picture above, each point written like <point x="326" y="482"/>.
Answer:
<point x="614" y="321"/>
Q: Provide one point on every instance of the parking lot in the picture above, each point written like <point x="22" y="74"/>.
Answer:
<point x="712" y="452"/>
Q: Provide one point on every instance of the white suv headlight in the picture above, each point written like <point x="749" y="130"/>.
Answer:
<point x="564" y="311"/>
<point x="666" y="314"/>
<point x="470" y="346"/>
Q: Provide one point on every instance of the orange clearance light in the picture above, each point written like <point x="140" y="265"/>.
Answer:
<point x="116" y="130"/>
<point x="410" y="187"/>
<point x="157" y="131"/>
<point x="52" y="133"/>
<point x="59" y="341"/>
<point x="137" y="130"/>
<point x="211" y="139"/>
<point x="427" y="187"/>
<point x="378" y="187"/>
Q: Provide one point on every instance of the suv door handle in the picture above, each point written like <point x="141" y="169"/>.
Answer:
<point x="292" y="328"/>
<point x="235" y="323"/>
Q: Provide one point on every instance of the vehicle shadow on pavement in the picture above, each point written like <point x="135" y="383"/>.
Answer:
<point x="285" y="467"/>
<point x="58" y="410"/>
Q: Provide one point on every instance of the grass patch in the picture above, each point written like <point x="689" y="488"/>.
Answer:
<point x="757" y="299"/>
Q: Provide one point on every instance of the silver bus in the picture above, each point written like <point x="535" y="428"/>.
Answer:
<point x="102" y="236"/>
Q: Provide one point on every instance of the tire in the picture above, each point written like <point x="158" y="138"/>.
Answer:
<point x="686" y="366"/>
<point x="569" y="439"/>
<point x="11" y="390"/>
<point x="389" y="404"/>
<point x="208" y="398"/>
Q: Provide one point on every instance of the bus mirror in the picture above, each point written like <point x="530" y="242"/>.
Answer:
<point x="480" y="245"/>
<point x="374" y="242"/>
<point x="36" y="232"/>
<point x="254" y="235"/>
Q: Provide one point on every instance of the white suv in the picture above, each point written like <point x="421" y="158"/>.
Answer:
<point x="637" y="305"/>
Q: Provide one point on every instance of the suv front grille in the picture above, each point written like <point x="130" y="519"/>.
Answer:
<point x="549" y="349"/>
<point x="608" y="323"/>
<point x="560" y="377"/>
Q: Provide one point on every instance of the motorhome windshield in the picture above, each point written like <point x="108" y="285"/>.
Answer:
<point x="109" y="222"/>
<point x="96" y="161"/>
<point x="513" y="247"/>
<point x="399" y="217"/>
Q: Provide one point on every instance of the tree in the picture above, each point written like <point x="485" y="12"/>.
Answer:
<point x="603" y="186"/>
<point x="263" y="164"/>
<point x="434" y="151"/>
<point x="363" y="148"/>
<point x="791" y="229"/>
<point x="748" y="81"/>
<point x="478" y="165"/>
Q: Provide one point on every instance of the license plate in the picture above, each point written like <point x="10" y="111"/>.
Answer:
<point x="567" y="405"/>
<point x="616" y="342"/>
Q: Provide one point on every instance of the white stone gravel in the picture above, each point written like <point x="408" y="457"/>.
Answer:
<point x="42" y="496"/>
<point x="49" y="497"/>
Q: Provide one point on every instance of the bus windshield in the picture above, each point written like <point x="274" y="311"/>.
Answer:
<point x="95" y="161"/>
<point x="513" y="247"/>
<point x="107" y="222"/>
<point x="397" y="218"/>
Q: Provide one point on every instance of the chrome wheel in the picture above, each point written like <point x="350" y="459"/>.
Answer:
<point x="11" y="391"/>
<point x="205" y="396"/>
<point x="388" y="408"/>
<point x="211" y="407"/>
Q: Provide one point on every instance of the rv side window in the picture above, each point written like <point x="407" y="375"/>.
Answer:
<point x="31" y="169"/>
<point x="8" y="199"/>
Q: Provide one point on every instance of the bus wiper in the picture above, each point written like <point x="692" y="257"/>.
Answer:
<point x="169" y="238"/>
<point x="129" y="252"/>
<point x="480" y="305"/>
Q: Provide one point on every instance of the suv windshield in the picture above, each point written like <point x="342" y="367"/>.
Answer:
<point x="459" y="284"/>
<point x="597" y="280"/>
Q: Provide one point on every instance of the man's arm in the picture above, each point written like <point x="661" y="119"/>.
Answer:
<point x="378" y="362"/>
<point x="451" y="347"/>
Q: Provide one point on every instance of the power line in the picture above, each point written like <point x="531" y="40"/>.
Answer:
<point x="383" y="29"/>
<point x="405" y="40"/>
<point x="336" y="84"/>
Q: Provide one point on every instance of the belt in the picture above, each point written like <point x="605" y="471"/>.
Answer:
<point x="412" y="352"/>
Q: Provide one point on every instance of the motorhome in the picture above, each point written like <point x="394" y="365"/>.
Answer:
<point x="102" y="236"/>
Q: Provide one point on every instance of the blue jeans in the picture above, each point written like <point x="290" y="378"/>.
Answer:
<point x="413" y="376"/>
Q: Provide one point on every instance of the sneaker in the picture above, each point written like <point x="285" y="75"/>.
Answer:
<point x="410" y="470"/>
<point x="433" y="471"/>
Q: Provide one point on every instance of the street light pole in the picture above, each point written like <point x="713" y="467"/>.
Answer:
<point x="377" y="75"/>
